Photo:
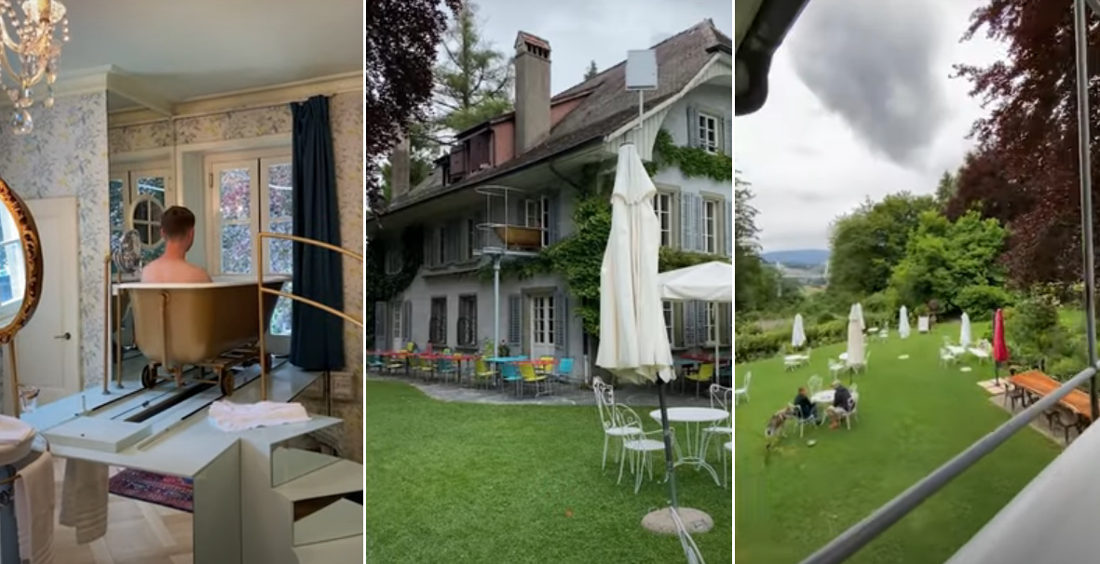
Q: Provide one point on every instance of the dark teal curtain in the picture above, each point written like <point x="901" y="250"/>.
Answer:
<point x="317" y="337"/>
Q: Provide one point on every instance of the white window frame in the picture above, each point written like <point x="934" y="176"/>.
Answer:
<point x="707" y="132"/>
<point x="710" y="226"/>
<point x="542" y="320"/>
<point x="12" y="246"/>
<point x="128" y="175"/>
<point x="712" y="323"/>
<point x="393" y="260"/>
<point x="662" y="207"/>
<point x="258" y="164"/>
<point x="669" y="311"/>
<point x="537" y="216"/>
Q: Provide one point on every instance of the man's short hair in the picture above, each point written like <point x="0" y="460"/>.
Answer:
<point x="176" y="222"/>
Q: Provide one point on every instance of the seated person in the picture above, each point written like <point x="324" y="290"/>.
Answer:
<point x="177" y="228"/>
<point x="804" y="408"/>
<point x="843" y="403"/>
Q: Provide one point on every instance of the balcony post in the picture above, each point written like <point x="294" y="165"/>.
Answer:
<point x="1080" y="24"/>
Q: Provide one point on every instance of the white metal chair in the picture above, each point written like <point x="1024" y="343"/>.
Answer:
<point x="848" y="415"/>
<point x="743" y="390"/>
<point x="946" y="357"/>
<point x="720" y="398"/>
<point x="638" y="445"/>
<point x="612" y="427"/>
<point x="836" y="367"/>
<point x="727" y="452"/>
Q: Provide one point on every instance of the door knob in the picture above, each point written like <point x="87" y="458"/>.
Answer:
<point x="65" y="336"/>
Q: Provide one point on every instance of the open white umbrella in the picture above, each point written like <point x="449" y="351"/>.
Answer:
<point x="964" y="331"/>
<point x="798" y="334"/>
<point x="633" y="342"/>
<point x="855" y="338"/>
<point x="709" y="282"/>
<point x="903" y="322"/>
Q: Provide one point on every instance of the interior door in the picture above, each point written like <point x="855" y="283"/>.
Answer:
<point x="47" y="348"/>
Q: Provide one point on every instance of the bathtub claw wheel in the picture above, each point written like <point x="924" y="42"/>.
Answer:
<point x="225" y="382"/>
<point x="149" y="376"/>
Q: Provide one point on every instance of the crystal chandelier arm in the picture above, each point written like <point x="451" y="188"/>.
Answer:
<point x="5" y="36"/>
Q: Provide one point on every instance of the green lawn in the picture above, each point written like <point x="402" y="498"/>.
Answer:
<point x="914" y="416"/>
<point x="452" y="482"/>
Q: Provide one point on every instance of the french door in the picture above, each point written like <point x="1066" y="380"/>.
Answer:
<point x="542" y="326"/>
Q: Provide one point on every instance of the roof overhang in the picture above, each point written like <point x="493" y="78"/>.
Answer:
<point x="761" y="26"/>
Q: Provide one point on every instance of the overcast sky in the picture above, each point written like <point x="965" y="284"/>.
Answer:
<point x="860" y="104"/>
<point x="602" y="30"/>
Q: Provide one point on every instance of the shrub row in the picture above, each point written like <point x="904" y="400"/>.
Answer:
<point x="753" y="346"/>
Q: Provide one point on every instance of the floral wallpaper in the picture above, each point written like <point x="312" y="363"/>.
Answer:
<point x="139" y="137"/>
<point x="66" y="155"/>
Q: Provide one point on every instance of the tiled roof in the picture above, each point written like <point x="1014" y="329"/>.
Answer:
<point x="607" y="107"/>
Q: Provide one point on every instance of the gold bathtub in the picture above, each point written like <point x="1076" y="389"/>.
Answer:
<point x="212" y="325"/>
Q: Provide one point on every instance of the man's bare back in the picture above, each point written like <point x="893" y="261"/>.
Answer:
<point x="166" y="270"/>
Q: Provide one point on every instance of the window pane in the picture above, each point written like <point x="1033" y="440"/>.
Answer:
<point x="280" y="193"/>
<point x="236" y="249"/>
<point x="235" y="191"/>
<point x="280" y="318"/>
<point x="281" y="260"/>
<point x="153" y="185"/>
<point x="114" y="196"/>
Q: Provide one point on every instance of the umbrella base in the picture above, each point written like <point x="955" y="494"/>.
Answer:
<point x="660" y="521"/>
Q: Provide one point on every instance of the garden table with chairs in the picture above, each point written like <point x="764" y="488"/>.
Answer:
<point x="693" y="418"/>
<point x="826" y="396"/>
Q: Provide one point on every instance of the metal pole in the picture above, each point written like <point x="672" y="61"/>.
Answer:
<point x="1085" y="162"/>
<point x="670" y="468"/>
<point x="496" y="305"/>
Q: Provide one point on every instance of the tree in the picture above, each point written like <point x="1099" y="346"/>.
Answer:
<point x="592" y="70"/>
<point x="868" y="243"/>
<point x="758" y="286"/>
<point x="401" y="37"/>
<point x="945" y="260"/>
<point x="474" y="80"/>
<point x="1032" y="131"/>
<point x="946" y="188"/>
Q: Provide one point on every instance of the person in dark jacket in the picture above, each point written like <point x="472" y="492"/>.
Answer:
<point x="804" y="408"/>
<point x="843" y="403"/>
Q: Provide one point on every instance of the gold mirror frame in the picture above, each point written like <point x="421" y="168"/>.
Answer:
<point x="32" y="259"/>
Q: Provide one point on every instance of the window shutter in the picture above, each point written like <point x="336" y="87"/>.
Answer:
<point x="725" y="324"/>
<point x="561" y="324"/>
<point x="701" y="319"/>
<point x="515" y="322"/>
<point x="453" y="238"/>
<point x="429" y="234"/>
<point x="687" y="239"/>
<point x="727" y="136"/>
<point x="554" y="203"/>
<point x="689" y="324"/>
<point x="381" y="314"/>
<point x="729" y="228"/>
<point x="692" y="126"/>
<point x="443" y="324"/>
<point x="700" y="224"/>
<point x="406" y="321"/>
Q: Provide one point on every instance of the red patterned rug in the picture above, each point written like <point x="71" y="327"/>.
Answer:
<point x="169" y="491"/>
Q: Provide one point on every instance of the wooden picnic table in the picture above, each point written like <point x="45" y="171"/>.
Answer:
<point x="1040" y="384"/>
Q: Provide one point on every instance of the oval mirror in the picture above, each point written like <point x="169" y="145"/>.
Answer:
<point x="20" y="264"/>
<point x="144" y="217"/>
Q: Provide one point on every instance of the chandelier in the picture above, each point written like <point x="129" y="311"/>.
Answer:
<point x="29" y="53"/>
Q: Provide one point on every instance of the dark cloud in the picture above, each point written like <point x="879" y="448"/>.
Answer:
<point x="874" y="63"/>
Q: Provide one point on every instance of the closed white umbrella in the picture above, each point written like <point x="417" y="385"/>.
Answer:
<point x="964" y="331"/>
<point x="903" y="322"/>
<point x="633" y="342"/>
<point x="859" y="313"/>
<point x="798" y="335"/>
<point x="855" y="338"/>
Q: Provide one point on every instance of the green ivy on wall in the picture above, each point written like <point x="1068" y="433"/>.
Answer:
<point x="692" y="161"/>
<point x="382" y="287"/>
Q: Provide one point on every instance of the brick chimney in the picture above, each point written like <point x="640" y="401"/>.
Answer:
<point x="532" y="91"/>
<point x="399" y="168"/>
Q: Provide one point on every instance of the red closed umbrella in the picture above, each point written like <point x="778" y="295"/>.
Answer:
<point x="1000" y="350"/>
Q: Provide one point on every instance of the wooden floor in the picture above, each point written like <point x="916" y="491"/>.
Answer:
<point x="137" y="533"/>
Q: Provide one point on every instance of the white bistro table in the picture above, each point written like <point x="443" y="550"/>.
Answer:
<point x="693" y="418"/>
<point x="826" y="396"/>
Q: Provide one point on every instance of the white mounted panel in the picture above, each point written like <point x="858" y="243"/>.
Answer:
<point x="97" y="433"/>
<point x="641" y="69"/>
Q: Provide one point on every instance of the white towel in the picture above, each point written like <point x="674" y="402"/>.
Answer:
<point x="34" y="504"/>
<point x="84" y="499"/>
<point x="229" y="416"/>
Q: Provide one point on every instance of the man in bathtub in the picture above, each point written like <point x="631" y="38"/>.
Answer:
<point x="177" y="227"/>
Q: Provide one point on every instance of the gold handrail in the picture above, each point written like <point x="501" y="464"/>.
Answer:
<point x="260" y="237"/>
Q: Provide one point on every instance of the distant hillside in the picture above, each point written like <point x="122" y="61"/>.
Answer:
<point x="801" y="257"/>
